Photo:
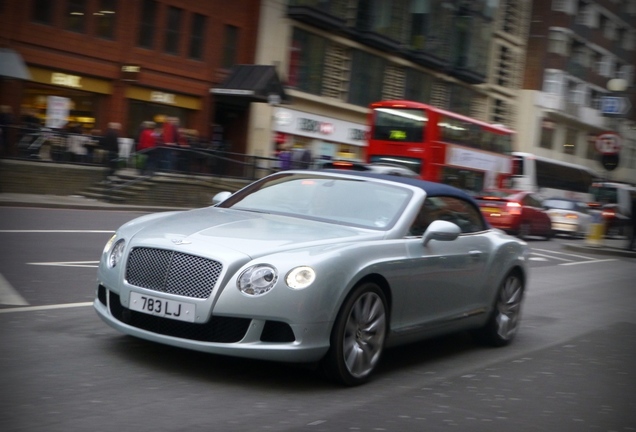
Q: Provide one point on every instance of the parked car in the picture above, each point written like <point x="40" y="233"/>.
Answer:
<point x="320" y="267"/>
<point x="520" y="213"/>
<point x="568" y="216"/>
<point x="613" y="200"/>
<point x="375" y="167"/>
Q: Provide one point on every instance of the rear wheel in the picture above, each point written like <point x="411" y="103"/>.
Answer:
<point x="503" y="323"/>
<point x="357" y="338"/>
<point x="524" y="230"/>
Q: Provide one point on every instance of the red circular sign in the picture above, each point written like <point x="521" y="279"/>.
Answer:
<point x="608" y="143"/>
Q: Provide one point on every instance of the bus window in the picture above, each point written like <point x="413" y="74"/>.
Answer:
<point x="396" y="124"/>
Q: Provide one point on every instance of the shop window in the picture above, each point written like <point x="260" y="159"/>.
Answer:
<point x="230" y="46"/>
<point x="106" y="19"/>
<point x="307" y="61"/>
<point x="173" y="27"/>
<point x="42" y="12"/>
<point x="197" y="37"/>
<point x="76" y="16"/>
<point x="367" y="75"/>
<point x="147" y="25"/>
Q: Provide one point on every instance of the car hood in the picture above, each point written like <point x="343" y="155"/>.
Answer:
<point x="253" y="234"/>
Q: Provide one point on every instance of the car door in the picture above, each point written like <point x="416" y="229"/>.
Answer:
<point x="445" y="276"/>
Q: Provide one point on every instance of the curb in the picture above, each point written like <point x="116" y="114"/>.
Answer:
<point x="601" y="250"/>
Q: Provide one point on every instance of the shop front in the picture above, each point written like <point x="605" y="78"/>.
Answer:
<point x="85" y="98"/>
<point x="147" y="104"/>
<point x="326" y="138"/>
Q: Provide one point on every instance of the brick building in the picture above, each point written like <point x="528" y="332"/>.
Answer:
<point x="127" y="61"/>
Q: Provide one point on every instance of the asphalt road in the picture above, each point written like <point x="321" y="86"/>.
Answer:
<point x="61" y="369"/>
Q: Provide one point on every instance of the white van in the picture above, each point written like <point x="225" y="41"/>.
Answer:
<point x="614" y="200"/>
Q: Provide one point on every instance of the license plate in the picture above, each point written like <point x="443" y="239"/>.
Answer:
<point x="176" y="310"/>
<point x="491" y="210"/>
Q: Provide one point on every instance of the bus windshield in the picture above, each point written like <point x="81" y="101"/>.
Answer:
<point x="399" y="124"/>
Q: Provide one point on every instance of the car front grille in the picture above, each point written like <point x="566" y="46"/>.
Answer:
<point x="172" y="272"/>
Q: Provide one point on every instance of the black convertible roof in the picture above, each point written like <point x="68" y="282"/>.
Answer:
<point x="431" y="188"/>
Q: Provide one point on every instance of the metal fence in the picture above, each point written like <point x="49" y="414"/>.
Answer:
<point x="200" y="158"/>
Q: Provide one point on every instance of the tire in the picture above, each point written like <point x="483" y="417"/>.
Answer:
<point x="357" y="337"/>
<point x="503" y="322"/>
<point x="524" y="230"/>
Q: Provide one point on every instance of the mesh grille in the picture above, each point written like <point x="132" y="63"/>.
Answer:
<point x="172" y="272"/>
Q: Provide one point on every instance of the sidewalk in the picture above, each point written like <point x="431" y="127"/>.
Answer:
<point x="607" y="246"/>
<point x="73" y="201"/>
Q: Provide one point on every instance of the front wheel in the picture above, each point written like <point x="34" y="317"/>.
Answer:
<point x="357" y="338"/>
<point x="503" y="323"/>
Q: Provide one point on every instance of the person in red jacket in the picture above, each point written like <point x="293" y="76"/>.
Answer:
<point x="146" y="147"/>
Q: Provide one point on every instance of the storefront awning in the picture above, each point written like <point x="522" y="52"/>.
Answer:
<point x="251" y="83"/>
<point x="12" y="65"/>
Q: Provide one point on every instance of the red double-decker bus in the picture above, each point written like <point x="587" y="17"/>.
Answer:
<point x="440" y="145"/>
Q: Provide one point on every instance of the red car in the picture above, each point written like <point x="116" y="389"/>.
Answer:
<point x="516" y="212"/>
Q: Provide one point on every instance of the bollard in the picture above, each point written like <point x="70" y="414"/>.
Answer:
<point x="596" y="231"/>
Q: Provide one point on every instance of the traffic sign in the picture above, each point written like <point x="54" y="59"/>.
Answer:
<point x="615" y="105"/>
<point x="608" y="143"/>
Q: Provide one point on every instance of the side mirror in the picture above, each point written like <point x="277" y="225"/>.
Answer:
<point x="440" y="230"/>
<point x="220" y="197"/>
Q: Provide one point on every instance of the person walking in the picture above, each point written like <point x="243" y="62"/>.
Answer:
<point x="146" y="148"/>
<point x="111" y="145"/>
<point x="632" y="234"/>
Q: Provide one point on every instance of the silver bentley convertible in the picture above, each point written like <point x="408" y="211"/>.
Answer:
<point x="324" y="267"/>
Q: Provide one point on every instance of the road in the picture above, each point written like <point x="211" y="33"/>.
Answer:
<point x="570" y="369"/>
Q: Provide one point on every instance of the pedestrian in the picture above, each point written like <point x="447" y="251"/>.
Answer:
<point x="632" y="236"/>
<point x="111" y="145"/>
<point x="6" y="121"/>
<point x="147" y="149"/>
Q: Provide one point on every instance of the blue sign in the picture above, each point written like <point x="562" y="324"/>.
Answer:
<point x="615" y="105"/>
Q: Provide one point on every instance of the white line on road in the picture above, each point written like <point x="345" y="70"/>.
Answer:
<point x="8" y="295"/>
<point x="549" y="256"/>
<point x="588" y="262"/>
<point x="46" y="307"/>
<point x="86" y="264"/>
<point x="565" y="253"/>
<point x="58" y="231"/>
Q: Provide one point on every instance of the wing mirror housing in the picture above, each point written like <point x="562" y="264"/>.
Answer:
<point x="220" y="197"/>
<point x="440" y="230"/>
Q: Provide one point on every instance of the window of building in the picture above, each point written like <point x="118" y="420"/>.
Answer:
<point x="626" y="72"/>
<point x="147" y="25"/>
<point x="569" y="146"/>
<point x="590" y="151"/>
<point x="230" y="46"/>
<point x="367" y="75"/>
<point x="581" y="55"/>
<point x="418" y="86"/>
<point x="197" y="37"/>
<point x="106" y="19"/>
<point x="567" y="6"/>
<point x="307" y="60"/>
<point x="552" y="82"/>
<point x="173" y="30"/>
<point x="606" y="67"/>
<point x="558" y="42"/>
<point x="587" y="15"/>
<point x="609" y="29"/>
<point x="547" y="134"/>
<point x="42" y="12"/>
<point x="76" y="16"/>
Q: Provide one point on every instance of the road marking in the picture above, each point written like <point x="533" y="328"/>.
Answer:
<point x="58" y="231"/>
<point x="565" y="253"/>
<point x="46" y="307"/>
<point x="550" y="256"/>
<point x="588" y="262"/>
<point x="86" y="264"/>
<point x="538" y="259"/>
<point x="8" y="295"/>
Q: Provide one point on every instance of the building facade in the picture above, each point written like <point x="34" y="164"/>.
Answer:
<point x="126" y="61"/>
<point x="336" y="57"/>
<point x="577" y="51"/>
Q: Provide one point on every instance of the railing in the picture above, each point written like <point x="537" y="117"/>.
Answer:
<point x="45" y="145"/>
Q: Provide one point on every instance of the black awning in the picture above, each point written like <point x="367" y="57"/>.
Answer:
<point x="251" y="83"/>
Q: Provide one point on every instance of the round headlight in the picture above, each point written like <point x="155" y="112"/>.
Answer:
<point x="300" y="277"/>
<point x="116" y="253"/>
<point x="257" y="280"/>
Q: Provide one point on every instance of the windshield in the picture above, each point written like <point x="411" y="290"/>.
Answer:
<point x="399" y="124"/>
<point x="604" y="195"/>
<point x="360" y="203"/>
